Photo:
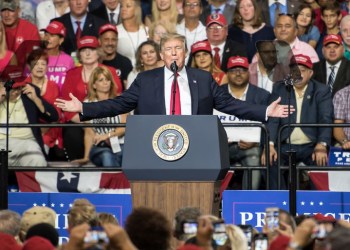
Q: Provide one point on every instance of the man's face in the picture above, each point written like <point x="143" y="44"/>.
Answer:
<point x="192" y="9"/>
<point x="216" y="34"/>
<point x="330" y="18"/>
<point x="333" y="52"/>
<point x="306" y="75"/>
<point x="345" y="32"/>
<point x="238" y="76"/>
<point x="111" y="4"/>
<point x="173" y="50"/>
<point x="9" y="17"/>
<point x="78" y="8"/>
<point x="108" y="42"/>
<point x="285" y="29"/>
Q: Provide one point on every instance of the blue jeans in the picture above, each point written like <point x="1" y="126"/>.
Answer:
<point x="104" y="156"/>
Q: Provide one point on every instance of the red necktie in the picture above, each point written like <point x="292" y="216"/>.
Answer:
<point x="217" y="57"/>
<point x="78" y="32"/>
<point x="177" y="105"/>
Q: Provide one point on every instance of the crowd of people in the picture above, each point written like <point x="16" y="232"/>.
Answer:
<point x="149" y="229"/>
<point x="97" y="49"/>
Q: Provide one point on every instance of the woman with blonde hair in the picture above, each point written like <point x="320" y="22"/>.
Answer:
<point x="7" y="57"/>
<point x="131" y="32"/>
<point x="163" y="10"/>
<point x="103" y="146"/>
<point x="203" y="59"/>
<point x="160" y="28"/>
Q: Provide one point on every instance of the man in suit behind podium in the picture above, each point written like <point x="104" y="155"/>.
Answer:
<point x="151" y="93"/>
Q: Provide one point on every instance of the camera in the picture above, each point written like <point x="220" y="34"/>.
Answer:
<point x="248" y="232"/>
<point x="189" y="227"/>
<point x="260" y="241"/>
<point x="96" y="235"/>
<point x="272" y="218"/>
<point x="219" y="235"/>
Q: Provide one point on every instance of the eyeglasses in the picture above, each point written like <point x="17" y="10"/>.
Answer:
<point x="238" y="70"/>
<point x="192" y="5"/>
<point x="216" y="27"/>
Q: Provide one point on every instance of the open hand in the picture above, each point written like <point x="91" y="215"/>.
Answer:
<point x="277" y="110"/>
<point x="74" y="105"/>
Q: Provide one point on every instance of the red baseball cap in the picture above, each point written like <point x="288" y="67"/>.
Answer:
<point x="237" y="61"/>
<point x="201" y="46"/>
<point x="107" y="27"/>
<point x="303" y="60"/>
<point x="216" y="18"/>
<point x="55" y="28"/>
<point x="8" y="242"/>
<point x="37" y="243"/>
<point x="88" y="42"/>
<point x="332" y="39"/>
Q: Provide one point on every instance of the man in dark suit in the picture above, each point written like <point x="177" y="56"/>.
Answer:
<point x="218" y="7"/>
<point x="222" y="48"/>
<point x="78" y="23"/>
<point x="313" y="104"/>
<point x="244" y="152"/>
<point x="333" y="52"/>
<point x="151" y="92"/>
<point x="108" y="11"/>
<point x="269" y="11"/>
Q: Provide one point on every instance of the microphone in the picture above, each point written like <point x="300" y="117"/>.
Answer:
<point x="174" y="67"/>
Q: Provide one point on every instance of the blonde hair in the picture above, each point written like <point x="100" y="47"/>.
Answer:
<point x="104" y="218"/>
<point x="172" y="18"/>
<point x="237" y="239"/>
<point x="100" y="70"/>
<point x="168" y="26"/>
<point x="82" y="211"/>
<point x="138" y="12"/>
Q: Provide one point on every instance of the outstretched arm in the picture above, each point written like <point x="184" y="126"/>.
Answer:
<point x="74" y="105"/>
<point x="277" y="110"/>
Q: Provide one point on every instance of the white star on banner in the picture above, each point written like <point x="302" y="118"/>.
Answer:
<point x="61" y="205"/>
<point x="34" y="204"/>
<point x="68" y="176"/>
<point x="52" y="204"/>
<point x="284" y="203"/>
<point x="321" y="203"/>
<point x="302" y="203"/>
<point x="44" y="205"/>
<point x="311" y="203"/>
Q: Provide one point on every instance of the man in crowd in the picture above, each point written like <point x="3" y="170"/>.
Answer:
<point x="109" y="11"/>
<point x="341" y="102"/>
<point x="17" y="30"/>
<point x="333" y="70"/>
<point x="244" y="152"/>
<point x="345" y="34"/>
<point x="218" y="7"/>
<point x="222" y="48"/>
<point x="78" y="23"/>
<point x="313" y="104"/>
<point x="109" y="41"/>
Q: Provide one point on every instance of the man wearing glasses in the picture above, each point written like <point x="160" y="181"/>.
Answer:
<point x="222" y="48"/>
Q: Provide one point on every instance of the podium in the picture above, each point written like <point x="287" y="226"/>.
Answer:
<point x="175" y="161"/>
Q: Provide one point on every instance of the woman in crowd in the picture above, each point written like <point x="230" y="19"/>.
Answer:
<point x="163" y="10"/>
<point x="131" y="32"/>
<point x="147" y="58"/>
<point x="103" y="145"/>
<point x="38" y="64"/>
<point x="158" y="29"/>
<point x="7" y="57"/>
<point x="247" y="27"/>
<point x="203" y="59"/>
<point x="76" y="82"/>
<point x="307" y="32"/>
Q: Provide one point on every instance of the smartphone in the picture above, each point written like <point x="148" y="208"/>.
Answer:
<point x="189" y="227"/>
<point x="260" y="241"/>
<point x="272" y="218"/>
<point x="248" y="232"/>
<point x="219" y="235"/>
<point x="96" y="235"/>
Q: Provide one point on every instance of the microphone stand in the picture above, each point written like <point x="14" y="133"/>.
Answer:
<point x="4" y="152"/>
<point x="292" y="183"/>
<point x="173" y="91"/>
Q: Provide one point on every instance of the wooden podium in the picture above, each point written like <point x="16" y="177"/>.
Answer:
<point x="191" y="180"/>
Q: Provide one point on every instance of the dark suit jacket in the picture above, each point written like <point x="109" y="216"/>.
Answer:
<point x="102" y="13"/>
<point x="292" y="7"/>
<point x="34" y="115"/>
<point x="317" y="107"/>
<point x="342" y="78"/>
<point x="146" y="95"/>
<point x="231" y="48"/>
<point x="91" y="27"/>
<point x="228" y="13"/>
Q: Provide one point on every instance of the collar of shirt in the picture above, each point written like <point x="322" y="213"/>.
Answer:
<point x="116" y="11"/>
<point x="283" y="2"/>
<point x="221" y="7"/>
<point x="243" y="97"/>
<point x="82" y="22"/>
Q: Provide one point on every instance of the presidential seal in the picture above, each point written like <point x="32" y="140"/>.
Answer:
<point x="170" y="142"/>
